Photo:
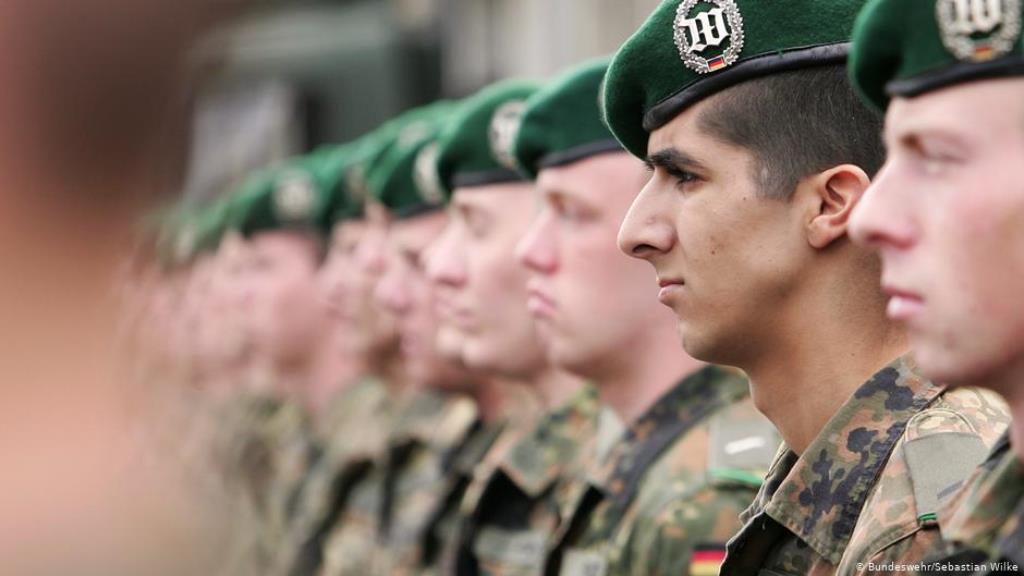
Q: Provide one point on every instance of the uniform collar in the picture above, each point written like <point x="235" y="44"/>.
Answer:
<point x="819" y="495"/>
<point x="691" y="400"/>
<point x="990" y="518"/>
<point x="477" y="446"/>
<point x="554" y="446"/>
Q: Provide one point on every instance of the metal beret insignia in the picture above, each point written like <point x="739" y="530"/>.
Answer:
<point x="701" y="34"/>
<point x="503" y="131"/>
<point x="978" y="30"/>
<point x="294" y="197"/>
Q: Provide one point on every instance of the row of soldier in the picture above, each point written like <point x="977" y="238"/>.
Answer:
<point x="439" y="351"/>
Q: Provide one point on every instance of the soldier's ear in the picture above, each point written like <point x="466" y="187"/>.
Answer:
<point x="829" y="198"/>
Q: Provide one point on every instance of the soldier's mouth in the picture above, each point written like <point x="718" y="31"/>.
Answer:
<point x="903" y="304"/>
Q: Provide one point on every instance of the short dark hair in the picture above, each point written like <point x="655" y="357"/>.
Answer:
<point x="796" y="124"/>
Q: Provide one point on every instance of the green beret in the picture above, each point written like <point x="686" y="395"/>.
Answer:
<point x="394" y="178"/>
<point x="211" y="225"/>
<point x="371" y="146"/>
<point x="691" y="49"/>
<point x="909" y="47"/>
<point x="174" y="234"/>
<point x="475" y="148"/>
<point x="286" y="197"/>
<point x="331" y="164"/>
<point x="187" y="230"/>
<point x="562" y="123"/>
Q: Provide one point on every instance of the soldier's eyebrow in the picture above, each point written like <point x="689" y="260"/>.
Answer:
<point x="471" y="213"/>
<point x="465" y="211"/>
<point x="555" y="194"/>
<point x="672" y="160"/>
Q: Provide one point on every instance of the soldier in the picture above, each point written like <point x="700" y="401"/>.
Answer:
<point x="760" y="150"/>
<point x="214" y="329"/>
<point x="670" y="493"/>
<point x="425" y="443"/>
<point x="345" y="537"/>
<point x="430" y="421"/>
<point x="352" y="427"/>
<point x="514" y="505"/>
<point x="945" y="214"/>
<point x="282" y="217"/>
<point x="342" y="504"/>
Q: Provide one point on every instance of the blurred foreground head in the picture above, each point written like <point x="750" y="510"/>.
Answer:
<point x="91" y="129"/>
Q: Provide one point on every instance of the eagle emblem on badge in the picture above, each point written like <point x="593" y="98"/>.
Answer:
<point x="709" y="34"/>
<point x="504" y="130"/>
<point x="294" y="197"/>
<point x="978" y="30"/>
<point x="428" y="181"/>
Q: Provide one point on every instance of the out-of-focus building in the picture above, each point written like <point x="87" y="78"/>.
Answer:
<point x="289" y="75"/>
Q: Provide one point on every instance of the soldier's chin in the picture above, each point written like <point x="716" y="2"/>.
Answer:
<point x="450" y="344"/>
<point x="575" y="358"/>
<point x="706" y="347"/>
<point x="958" y="367"/>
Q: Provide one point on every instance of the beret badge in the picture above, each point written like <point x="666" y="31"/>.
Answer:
<point x="978" y="30"/>
<point x="708" y="39"/>
<point x="503" y="131"/>
<point x="294" y="197"/>
<point x="428" y="181"/>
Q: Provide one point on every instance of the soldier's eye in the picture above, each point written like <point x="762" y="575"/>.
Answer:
<point x="683" y="177"/>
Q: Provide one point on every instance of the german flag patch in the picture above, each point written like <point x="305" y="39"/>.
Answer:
<point x="707" y="559"/>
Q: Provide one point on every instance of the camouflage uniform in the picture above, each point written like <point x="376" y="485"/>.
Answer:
<point x="867" y="489"/>
<point x="348" y="548"/>
<point x="674" y="486"/>
<point x="419" y="476"/>
<point x="986" y="524"/>
<point x="510" y="516"/>
<point x="440" y="526"/>
<point x="354" y="436"/>
<point x="397" y="486"/>
<point x="294" y="451"/>
<point x="441" y="555"/>
<point x="269" y="447"/>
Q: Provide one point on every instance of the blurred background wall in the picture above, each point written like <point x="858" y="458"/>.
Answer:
<point x="290" y="75"/>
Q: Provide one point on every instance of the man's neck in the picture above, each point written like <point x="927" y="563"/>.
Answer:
<point x="556" y="387"/>
<point x="327" y="379"/>
<point x="648" y="372"/>
<point x="294" y="382"/>
<point x="815" y="362"/>
<point x="499" y="399"/>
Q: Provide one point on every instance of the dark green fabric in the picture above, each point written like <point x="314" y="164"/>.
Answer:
<point x="287" y="197"/>
<point x="562" y="123"/>
<point x="899" y="48"/>
<point x="375" y="144"/>
<point x="392" y="176"/>
<point x="465" y="155"/>
<point x="210" y="226"/>
<point x="330" y="164"/>
<point x="648" y="84"/>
